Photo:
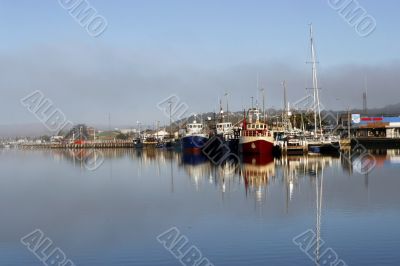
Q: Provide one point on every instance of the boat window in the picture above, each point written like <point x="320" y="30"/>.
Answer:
<point x="190" y="126"/>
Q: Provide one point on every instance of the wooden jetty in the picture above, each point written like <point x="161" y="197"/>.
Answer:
<point x="84" y="145"/>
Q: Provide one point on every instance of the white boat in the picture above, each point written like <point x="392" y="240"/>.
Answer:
<point x="224" y="128"/>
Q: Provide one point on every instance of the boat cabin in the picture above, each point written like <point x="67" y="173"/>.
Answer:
<point x="194" y="128"/>
<point x="255" y="128"/>
<point x="223" y="128"/>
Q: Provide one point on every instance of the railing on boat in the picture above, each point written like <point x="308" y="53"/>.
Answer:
<point x="256" y="133"/>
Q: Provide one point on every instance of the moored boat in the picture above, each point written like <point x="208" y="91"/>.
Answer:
<point x="255" y="137"/>
<point x="195" y="137"/>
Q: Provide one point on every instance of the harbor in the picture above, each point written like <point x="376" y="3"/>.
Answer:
<point x="253" y="132"/>
<point x="199" y="133"/>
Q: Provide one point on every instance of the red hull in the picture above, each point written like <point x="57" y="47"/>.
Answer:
<point x="257" y="147"/>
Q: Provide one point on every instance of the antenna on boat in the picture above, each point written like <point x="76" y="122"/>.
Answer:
<point x="227" y="105"/>
<point x="263" y="102"/>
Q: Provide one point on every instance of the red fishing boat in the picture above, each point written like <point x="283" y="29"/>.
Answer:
<point x="256" y="138"/>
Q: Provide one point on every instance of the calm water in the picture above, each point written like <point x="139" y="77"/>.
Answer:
<point x="234" y="216"/>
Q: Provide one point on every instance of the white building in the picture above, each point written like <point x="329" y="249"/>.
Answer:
<point x="161" y="134"/>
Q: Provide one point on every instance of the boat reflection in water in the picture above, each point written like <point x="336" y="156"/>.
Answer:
<point x="251" y="175"/>
<point x="257" y="171"/>
<point x="254" y="174"/>
<point x="197" y="167"/>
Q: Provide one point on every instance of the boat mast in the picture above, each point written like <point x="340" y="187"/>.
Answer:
<point x="227" y="106"/>
<point x="263" y="95"/>
<point x="315" y="85"/>
<point x="349" y="124"/>
<point x="138" y="123"/>
<point x="285" y="108"/>
<point x="263" y="103"/>
<point x="170" y="119"/>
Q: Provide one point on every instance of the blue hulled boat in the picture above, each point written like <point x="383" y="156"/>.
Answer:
<point x="195" y="137"/>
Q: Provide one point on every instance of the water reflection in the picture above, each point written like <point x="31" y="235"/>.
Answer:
<point x="257" y="205"/>
<point x="257" y="172"/>
<point x="253" y="174"/>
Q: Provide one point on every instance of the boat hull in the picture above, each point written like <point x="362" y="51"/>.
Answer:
<point x="256" y="145"/>
<point x="193" y="144"/>
<point x="324" y="148"/>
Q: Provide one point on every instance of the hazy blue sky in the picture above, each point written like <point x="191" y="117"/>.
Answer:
<point x="194" y="49"/>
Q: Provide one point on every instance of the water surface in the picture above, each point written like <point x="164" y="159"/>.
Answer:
<point x="235" y="215"/>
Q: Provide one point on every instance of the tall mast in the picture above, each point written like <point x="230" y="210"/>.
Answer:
<point x="349" y="123"/>
<point x="285" y="116"/>
<point x="170" y="119"/>
<point x="285" y="106"/>
<point x="315" y="84"/>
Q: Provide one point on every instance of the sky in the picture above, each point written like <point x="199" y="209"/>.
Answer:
<point x="196" y="50"/>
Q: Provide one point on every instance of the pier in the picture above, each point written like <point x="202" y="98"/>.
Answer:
<point x="86" y="145"/>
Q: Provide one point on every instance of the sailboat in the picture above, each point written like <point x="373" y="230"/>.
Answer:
<point x="319" y="143"/>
